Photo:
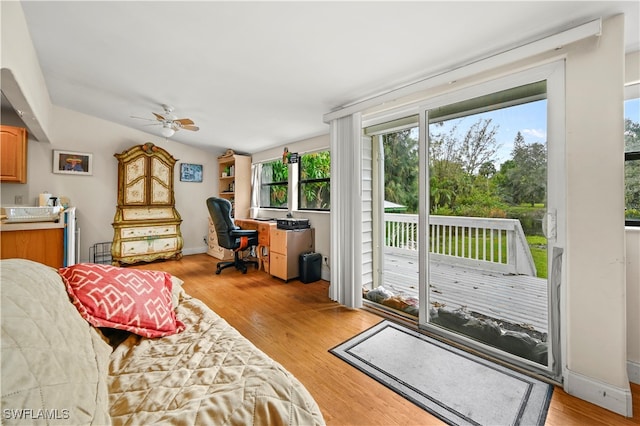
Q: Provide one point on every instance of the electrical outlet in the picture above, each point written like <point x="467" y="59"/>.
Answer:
<point x="17" y="199"/>
<point x="325" y="260"/>
<point x="205" y="240"/>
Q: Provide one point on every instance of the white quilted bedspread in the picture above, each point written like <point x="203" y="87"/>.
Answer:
<point x="207" y="375"/>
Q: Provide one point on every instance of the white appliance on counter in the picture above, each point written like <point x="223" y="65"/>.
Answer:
<point x="71" y="237"/>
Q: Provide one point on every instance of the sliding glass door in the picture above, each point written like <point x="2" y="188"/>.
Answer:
<point x="469" y="240"/>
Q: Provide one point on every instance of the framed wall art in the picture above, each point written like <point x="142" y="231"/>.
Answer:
<point x="72" y="163"/>
<point x="190" y="172"/>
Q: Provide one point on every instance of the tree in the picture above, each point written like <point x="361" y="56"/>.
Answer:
<point x="460" y="168"/>
<point x="479" y="145"/>
<point x="631" y="135"/>
<point x="315" y="171"/>
<point x="401" y="169"/>
<point x="274" y="178"/>
<point x="525" y="179"/>
<point x="487" y="170"/>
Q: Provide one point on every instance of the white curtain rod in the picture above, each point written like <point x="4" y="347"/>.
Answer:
<point x="556" y="41"/>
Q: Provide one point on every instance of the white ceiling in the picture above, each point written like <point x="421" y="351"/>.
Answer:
<point x="254" y="75"/>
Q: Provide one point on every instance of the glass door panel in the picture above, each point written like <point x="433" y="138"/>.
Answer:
<point x="396" y="286"/>
<point x="486" y="275"/>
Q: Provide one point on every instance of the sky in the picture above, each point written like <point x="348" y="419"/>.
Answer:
<point x="529" y="119"/>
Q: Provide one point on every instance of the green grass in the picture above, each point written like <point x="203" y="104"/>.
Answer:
<point x="538" y="247"/>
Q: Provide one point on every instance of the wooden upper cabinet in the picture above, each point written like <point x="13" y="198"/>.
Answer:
<point x="13" y="154"/>
<point x="146" y="177"/>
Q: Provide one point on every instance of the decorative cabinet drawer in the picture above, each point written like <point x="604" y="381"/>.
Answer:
<point x="148" y="213"/>
<point x="219" y="252"/>
<point x="148" y="231"/>
<point x="213" y="249"/>
<point x="149" y="245"/>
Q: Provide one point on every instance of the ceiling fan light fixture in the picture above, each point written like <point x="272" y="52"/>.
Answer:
<point x="167" y="131"/>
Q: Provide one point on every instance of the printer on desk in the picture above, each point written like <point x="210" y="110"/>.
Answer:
<point x="292" y="224"/>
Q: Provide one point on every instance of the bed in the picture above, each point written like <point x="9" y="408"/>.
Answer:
<point x="63" y="362"/>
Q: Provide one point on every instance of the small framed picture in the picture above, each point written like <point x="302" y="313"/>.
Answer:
<point x="72" y="163"/>
<point x="190" y="172"/>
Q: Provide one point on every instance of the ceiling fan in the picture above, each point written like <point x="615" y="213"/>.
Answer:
<point x="170" y="122"/>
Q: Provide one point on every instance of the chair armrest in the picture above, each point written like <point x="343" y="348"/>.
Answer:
<point x="243" y="233"/>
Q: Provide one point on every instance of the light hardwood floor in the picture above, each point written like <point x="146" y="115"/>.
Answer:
<point x="296" y="324"/>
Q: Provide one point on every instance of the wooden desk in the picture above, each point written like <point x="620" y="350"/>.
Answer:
<point x="264" y="231"/>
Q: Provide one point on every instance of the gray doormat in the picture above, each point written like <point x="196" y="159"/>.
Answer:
<point x="453" y="385"/>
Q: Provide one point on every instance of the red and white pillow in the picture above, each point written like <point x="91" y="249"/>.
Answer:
<point x="135" y="300"/>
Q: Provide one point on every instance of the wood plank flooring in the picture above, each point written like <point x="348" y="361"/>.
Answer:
<point x="296" y="324"/>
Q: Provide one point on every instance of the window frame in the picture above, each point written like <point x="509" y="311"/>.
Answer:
<point x="270" y="184"/>
<point x="301" y="182"/>
<point x="631" y="91"/>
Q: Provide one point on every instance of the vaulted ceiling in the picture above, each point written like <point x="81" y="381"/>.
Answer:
<point x="254" y="75"/>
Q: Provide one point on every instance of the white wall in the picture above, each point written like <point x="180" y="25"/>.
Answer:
<point x="319" y="220"/>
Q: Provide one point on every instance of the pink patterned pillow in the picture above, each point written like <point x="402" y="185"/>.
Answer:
<point x="138" y="301"/>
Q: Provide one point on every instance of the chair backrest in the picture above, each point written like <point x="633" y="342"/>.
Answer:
<point x="220" y="212"/>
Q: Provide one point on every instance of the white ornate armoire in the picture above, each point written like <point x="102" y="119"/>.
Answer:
<point x="146" y="224"/>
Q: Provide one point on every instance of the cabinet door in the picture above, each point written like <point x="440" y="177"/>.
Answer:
<point x="40" y="245"/>
<point x="160" y="182"/>
<point x="13" y="154"/>
<point x="135" y="190"/>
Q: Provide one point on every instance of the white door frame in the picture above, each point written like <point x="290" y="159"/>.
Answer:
<point x="553" y="73"/>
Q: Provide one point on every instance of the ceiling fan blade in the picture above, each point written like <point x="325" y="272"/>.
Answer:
<point x="185" y="121"/>
<point x="159" y="117"/>
<point x="141" y="118"/>
<point x="192" y="128"/>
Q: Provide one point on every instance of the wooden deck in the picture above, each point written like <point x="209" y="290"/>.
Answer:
<point x="518" y="299"/>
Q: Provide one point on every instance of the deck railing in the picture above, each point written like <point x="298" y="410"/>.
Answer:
<point x="488" y="243"/>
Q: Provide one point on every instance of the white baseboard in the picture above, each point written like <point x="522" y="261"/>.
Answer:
<point x="325" y="273"/>
<point x="194" y="250"/>
<point x="605" y="395"/>
<point x="633" y="370"/>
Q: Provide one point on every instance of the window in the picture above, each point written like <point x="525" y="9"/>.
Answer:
<point x="274" y="184"/>
<point x="632" y="157"/>
<point x="314" y="181"/>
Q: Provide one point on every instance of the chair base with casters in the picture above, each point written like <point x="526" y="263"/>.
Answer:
<point x="231" y="236"/>
<point x="239" y="263"/>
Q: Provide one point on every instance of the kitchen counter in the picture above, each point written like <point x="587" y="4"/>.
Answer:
<point x="29" y="226"/>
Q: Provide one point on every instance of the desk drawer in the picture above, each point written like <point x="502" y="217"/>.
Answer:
<point x="278" y="265"/>
<point x="263" y="234"/>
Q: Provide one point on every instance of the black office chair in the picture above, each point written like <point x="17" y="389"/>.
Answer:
<point x="229" y="235"/>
